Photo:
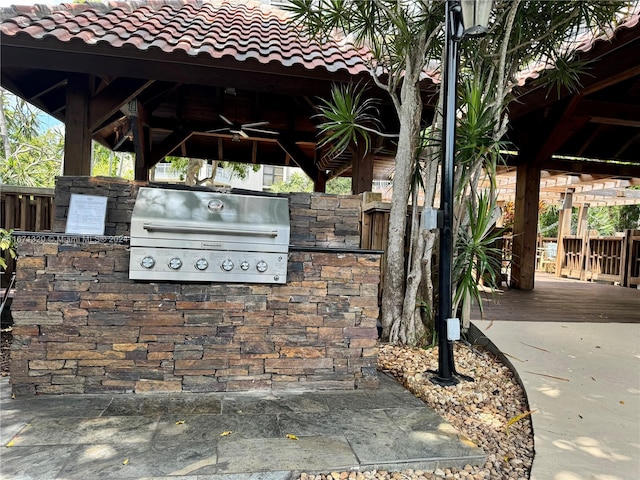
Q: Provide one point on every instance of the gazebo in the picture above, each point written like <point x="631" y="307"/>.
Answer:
<point x="211" y="80"/>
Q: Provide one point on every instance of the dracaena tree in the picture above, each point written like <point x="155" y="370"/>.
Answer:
<point x="404" y="38"/>
<point x="30" y="155"/>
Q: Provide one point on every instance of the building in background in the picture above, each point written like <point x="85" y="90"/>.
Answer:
<point x="260" y="180"/>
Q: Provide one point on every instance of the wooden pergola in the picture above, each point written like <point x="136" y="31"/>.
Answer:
<point x="218" y="81"/>
<point x="193" y="79"/>
<point x="592" y="131"/>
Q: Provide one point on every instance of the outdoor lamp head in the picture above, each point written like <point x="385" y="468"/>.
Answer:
<point x="475" y="16"/>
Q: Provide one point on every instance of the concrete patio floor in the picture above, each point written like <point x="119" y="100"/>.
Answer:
<point x="576" y="347"/>
<point x="224" y="436"/>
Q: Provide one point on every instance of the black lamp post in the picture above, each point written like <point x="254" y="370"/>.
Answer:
<point x="475" y="15"/>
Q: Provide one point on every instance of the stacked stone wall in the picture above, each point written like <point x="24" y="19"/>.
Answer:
<point x="121" y="197"/>
<point x="81" y="326"/>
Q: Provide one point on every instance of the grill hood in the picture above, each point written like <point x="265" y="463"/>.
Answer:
<point x="212" y="228"/>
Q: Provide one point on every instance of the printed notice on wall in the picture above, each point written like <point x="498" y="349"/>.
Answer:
<point x="87" y="214"/>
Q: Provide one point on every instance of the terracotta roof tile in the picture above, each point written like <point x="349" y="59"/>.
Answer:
<point x="584" y="44"/>
<point x="216" y="28"/>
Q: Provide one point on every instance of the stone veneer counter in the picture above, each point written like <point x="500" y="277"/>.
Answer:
<point x="81" y="326"/>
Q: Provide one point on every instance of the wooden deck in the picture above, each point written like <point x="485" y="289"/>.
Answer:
<point x="564" y="300"/>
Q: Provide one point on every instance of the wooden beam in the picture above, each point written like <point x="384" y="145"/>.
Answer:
<point x="612" y="69"/>
<point x="525" y="228"/>
<point x="16" y="87"/>
<point x="610" y="113"/>
<point x="593" y="167"/>
<point x="301" y="160"/>
<point x="563" y="129"/>
<point x="44" y="84"/>
<point x="109" y="101"/>
<point x="24" y="52"/>
<point x="626" y="145"/>
<point x="167" y="146"/>
<point x="140" y="130"/>
<point x="77" y="138"/>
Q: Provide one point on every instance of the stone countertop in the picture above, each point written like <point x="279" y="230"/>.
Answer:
<point x="23" y="236"/>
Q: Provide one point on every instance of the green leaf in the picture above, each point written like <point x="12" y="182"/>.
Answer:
<point x="348" y="119"/>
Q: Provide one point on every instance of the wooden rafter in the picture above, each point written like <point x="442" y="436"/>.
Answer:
<point x="109" y="101"/>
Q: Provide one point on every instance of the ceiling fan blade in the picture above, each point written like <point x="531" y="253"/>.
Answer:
<point x="259" y="130"/>
<point x="254" y="124"/>
<point x="243" y="134"/>
<point x="218" y="130"/>
<point x="225" y="119"/>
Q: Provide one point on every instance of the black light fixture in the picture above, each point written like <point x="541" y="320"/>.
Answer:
<point x="475" y="17"/>
<point x="463" y="18"/>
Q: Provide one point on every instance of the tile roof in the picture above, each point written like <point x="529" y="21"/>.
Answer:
<point x="584" y="44"/>
<point x="215" y="28"/>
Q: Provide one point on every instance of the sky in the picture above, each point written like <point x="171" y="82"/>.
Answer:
<point x="8" y="3"/>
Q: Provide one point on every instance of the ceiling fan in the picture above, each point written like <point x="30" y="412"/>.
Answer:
<point x="236" y="128"/>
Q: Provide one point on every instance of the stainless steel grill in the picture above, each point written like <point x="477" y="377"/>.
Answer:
<point x="202" y="236"/>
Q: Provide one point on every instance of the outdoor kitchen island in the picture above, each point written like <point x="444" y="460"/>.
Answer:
<point x="81" y="325"/>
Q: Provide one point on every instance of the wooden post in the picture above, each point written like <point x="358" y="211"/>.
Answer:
<point x="583" y="230"/>
<point x="632" y="260"/>
<point x="564" y="228"/>
<point x="525" y="228"/>
<point x="24" y="212"/>
<point x="10" y="220"/>
<point x="320" y="184"/>
<point x="140" y="131"/>
<point x="625" y="253"/>
<point x="361" y="171"/>
<point x="77" y="137"/>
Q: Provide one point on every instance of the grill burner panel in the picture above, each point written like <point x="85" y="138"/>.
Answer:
<point x="208" y="265"/>
<point x="186" y="235"/>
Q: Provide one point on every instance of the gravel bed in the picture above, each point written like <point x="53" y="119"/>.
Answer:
<point x="492" y="411"/>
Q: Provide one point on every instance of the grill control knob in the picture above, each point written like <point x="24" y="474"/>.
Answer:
<point x="227" y="265"/>
<point x="245" y="265"/>
<point x="262" y="266"/>
<point x="202" y="264"/>
<point x="148" y="262"/>
<point x="175" y="263"/>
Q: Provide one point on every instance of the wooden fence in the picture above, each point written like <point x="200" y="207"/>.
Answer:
<point x="24" y="208"/>
<point x="610" y="259"/>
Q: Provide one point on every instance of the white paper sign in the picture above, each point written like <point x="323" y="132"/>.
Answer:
<point x="87" y="214"/>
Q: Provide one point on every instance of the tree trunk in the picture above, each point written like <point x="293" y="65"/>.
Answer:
<point x="193" y="171"/>
<point x="412" y="329"/>
<point x="393" y="292"/>
<point x="4" y="132"/>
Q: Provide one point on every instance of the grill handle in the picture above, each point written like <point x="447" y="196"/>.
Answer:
<point x="157" y="227"/>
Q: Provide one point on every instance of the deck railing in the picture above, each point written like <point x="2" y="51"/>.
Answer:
<point x="633" y="259"/>
<point x="24" y="208"/>
<point x="609" y="259"/>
